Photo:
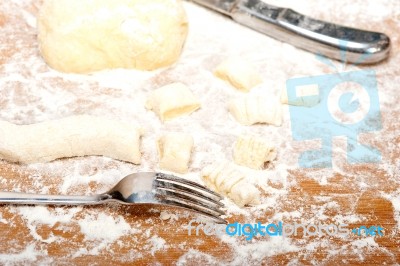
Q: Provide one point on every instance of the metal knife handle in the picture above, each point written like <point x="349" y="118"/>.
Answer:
<point x="317" y="36"/>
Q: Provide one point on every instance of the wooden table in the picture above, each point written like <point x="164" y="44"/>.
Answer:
<point x="364" y="194"/>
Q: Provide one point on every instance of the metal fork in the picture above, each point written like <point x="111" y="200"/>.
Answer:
<point x="138" y="188"/>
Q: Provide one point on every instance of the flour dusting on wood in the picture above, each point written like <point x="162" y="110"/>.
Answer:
<point x="31" y="92"/>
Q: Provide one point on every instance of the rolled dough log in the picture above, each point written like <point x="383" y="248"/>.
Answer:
<point x="84" y="35"/>
<point x="73" y="136"/>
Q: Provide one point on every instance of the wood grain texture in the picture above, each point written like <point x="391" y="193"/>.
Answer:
<point x="374" y="209"/>
<point x="362" y="191"/>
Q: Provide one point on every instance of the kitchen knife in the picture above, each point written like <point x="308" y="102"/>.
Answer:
<point x="328" y="39"/>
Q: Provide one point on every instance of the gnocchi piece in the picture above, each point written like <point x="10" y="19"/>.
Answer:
<point x="68" y="137"/>
<point x="306" y="95"/>
<point x="226" y="179"/>
<point x="253" y="152"/>
<point x="172" y="100"/>
<point x="252" y="109"/>
<point x="174" y="150"/>
<point x="239" y="73"/>
<point x="245" y="194"/>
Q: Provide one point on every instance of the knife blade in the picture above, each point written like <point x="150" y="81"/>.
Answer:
<point x="317" y="36"/>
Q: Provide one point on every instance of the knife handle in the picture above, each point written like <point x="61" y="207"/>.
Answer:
<point x="328" y="39"/>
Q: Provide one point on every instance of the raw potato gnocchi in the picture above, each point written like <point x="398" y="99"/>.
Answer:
<point x="253" y="152"/>
<point x="239" y="73"/>
<point x="306" y="95"/>
<point x="172" y="100"/>
<point x="253" y="109"/>
<point x="174" y="150"/>
<point x="69" y="137"/>
<point x="226" y="179"/>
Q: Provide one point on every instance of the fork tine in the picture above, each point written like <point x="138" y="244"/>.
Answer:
<point x="176" y="202"/>
<point x="187" y="191"/>
<point x="166" y="194"/>
<point x="189" y="184"/>
<point x="192" y="205"/>
<point x="182" y="195"/>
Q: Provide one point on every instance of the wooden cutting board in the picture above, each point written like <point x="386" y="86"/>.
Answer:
<point x="364" y="194"/>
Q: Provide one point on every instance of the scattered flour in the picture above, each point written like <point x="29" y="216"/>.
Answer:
<point x="155" y="243"/>
<point x="31" y="92"/>
<point x="28" y="256"/>
<point x="41" y="215"/>
<point x="104" y="227"/>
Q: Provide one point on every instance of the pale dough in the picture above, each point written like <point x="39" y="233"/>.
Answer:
<point x="84" y="36"/>
<point x="68" y="137"/>
<point x="239" y="73"/>
<point x="306" y="95"/>
<point x="174" y="149"/>
<point x="253" y="109"/>
<point x="253" y="152"/>
<point x="164" y="215"/>
<point x="226" y="179"/>
<point x="172" y="100"/>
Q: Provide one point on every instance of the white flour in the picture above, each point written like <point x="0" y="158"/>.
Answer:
<point x="31" y="92"/>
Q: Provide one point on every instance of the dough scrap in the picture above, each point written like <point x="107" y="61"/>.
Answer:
<point x="69" y="137"/>
<point x="226" y="179"/>
<point x="306" y="95"/>
<point x="164" y="215"/>
<point x="253" y="109"/>
<point x="174" y="149"/>
<point x="172" y="100"/>
<point x="239" y="73"/>
<point x="82" y="36"/>
<point x="253" y="152"/>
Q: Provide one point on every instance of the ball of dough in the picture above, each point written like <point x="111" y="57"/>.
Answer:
<point x="83" y="36"/>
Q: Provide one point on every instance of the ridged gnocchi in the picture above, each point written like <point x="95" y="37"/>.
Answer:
<point x="253" y="152"/>
<point x="172" y="100"/>
<point x="253" y="109"/>
<point x="175" y="149"/>
<point x="227" y="179"/>
<point x="239" y="73"/>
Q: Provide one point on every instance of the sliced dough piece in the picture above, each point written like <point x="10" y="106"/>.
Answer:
<point x="245" y="194"/>
<point x="68" y="137"/>
<point x="306" y="95"/>
<point x="175" y="150"/>
<point x="252" y="109"/>
<point x="172" y="100"/>
<point x="253" y="152"/>
<point x="226" y="179"/>
<point x="239" y="73"/>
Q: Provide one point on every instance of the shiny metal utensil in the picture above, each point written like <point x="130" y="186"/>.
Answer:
<point x="328" y="39"/>
<point x="138" y="188"/>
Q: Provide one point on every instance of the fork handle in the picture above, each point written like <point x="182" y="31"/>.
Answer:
<point x="42" y="199"/>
